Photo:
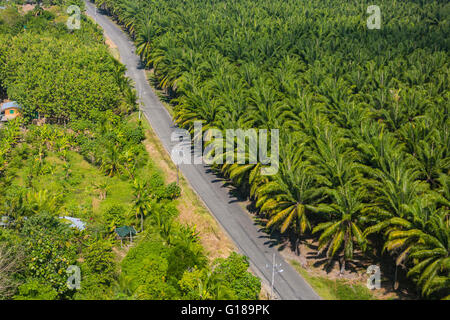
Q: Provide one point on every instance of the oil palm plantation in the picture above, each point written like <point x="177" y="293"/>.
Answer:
<point x="342" y="234"/>
<point x="359" y="112"/>
<point x="421" y="238"/>
<point x="144" y="40"/>
<point x="292" y="196"/>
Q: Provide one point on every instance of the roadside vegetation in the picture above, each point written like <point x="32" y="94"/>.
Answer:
<point x="77" y="152"/>
<point x="337" y="289"/>
<point x="363" y="115"/>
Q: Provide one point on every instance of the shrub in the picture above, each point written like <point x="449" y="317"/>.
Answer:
<point x="49" y="249"/>
<point x="99" y="258"/>
<point x="81" y="125"/>
<point x="134" y="134"/>
<point x="35" y="289"/>
<point x="114" y="216"/>
<point x="146" y="266"/>
<point x="234" y="274"/>
<point x="173" y="191"/>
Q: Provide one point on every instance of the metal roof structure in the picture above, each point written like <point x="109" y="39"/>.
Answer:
<point x="76" y="223"/>
<point x="125" y="231"/>
<point x="11" y="104"/>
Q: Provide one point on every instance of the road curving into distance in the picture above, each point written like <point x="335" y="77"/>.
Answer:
<point x="249" y="239"/>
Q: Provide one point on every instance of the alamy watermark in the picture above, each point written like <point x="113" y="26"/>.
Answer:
<point x="374" y="280"/>
<point x="374" y="20"/>
<point x="74" y="280"/>
<point x="241" y="146"/>
<point x="74" y="21"/>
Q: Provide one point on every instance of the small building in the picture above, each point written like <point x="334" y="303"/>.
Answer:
<point x="9" y="110"/>
<point x="125" y="232"/>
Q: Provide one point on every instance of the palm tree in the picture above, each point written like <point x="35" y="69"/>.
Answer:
<point x="131" y="10"/>
<point x="112" y="161"/>
<point x="432" y="160"/>
<point x="198" y="105"/>
<point x="397" y="187"/>
<point x="210" y="287"/>
<point x="142" y="201"/>
<point x="127" y="160"/>
<point x="39" y="201"/>
<point x="130" y="97"/>
<point x="335" y="158"/>
<point x="16" y="206"/>
<point x="143" y="41"/>
<point x="66" y="169"/>
<point x="124" y="286"/>
<point x="102" y="188"/>
<point x="422" y="238"/>
<point x="342" y="232"/>
<point x="293" y="194"/>
<point x="432" y="254"/>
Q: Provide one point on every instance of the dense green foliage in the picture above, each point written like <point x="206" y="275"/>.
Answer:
<point x="93" y="167"/>
<point x="363" y="114"/>
<point x="88" y="78"/>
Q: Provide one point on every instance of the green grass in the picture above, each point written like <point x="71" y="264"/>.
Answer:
<point x="334" y="289"/>
<point x="80" y="194"/>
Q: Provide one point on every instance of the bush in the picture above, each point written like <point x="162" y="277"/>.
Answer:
<point x="98" y="271"/>
<point x="182" y="258"/>
<point x="234" y="274"/>
<point x="134" y="134"/>
<point x="99" y="257"/>
<point x="173" y="191"/>
<point x="146" y="265"/>
<point x="11" y="21"/>
<point x="156" y="186"/>
<point x="114" y="216"/>
<point x="50" y="249"/>
<point x="81" y="125"/>
<point x="35" y="289"/>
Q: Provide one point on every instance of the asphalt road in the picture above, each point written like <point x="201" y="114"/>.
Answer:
<point x="250" y="241"/>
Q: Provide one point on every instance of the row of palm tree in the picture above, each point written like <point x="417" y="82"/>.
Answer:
<point x="364" y="129"/>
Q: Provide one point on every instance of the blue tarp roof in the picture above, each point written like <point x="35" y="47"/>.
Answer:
<point x="76" y="223"/>
<point x="11" y="104"/>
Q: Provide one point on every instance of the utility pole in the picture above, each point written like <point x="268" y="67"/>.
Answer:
<point x="180" y="138"/>
<point x="275" y="269"/>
